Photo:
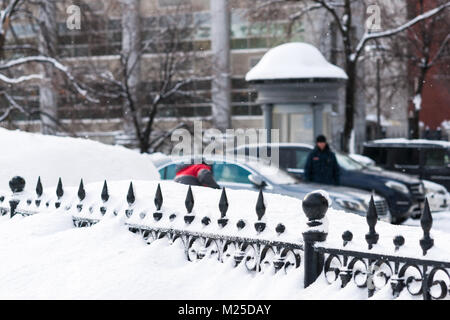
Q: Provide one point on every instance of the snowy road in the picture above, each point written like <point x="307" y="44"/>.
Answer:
<point x="441" y="221"/>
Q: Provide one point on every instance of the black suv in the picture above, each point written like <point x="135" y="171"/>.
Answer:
<point x="403" y="193"/>
<point x="426" y="159"/>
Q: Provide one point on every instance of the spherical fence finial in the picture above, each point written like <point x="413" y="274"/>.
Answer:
<point x="398" y="242"/>
<point x="17" y="184"/>
<point x="347" y="236"/>
<point x="281" y="228"/>
<point x="315" y="206"/>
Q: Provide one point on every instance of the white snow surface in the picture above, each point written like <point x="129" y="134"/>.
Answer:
<point x="31" y="155"/>
<point x="445" y="124"/>
<point x="417" y="101"/>
<point x="417" y="141"/>
<point x="279" y="209"/>
<point x="44" y="257"/>
<point x="294" y="60"/>
<point x="362" y="159"/>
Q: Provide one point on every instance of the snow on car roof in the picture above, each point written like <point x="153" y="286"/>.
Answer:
<point x="445" y="144"/>
<point x="283" y="144"/>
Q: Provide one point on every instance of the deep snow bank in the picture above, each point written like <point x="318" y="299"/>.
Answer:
<point x="279" y="209"/>
<point x="44" y="257"/>
<point x="31" y="155"/>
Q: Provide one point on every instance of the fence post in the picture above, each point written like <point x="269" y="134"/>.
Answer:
<point x="315" y="206"/>
<point x="17" y="185"/>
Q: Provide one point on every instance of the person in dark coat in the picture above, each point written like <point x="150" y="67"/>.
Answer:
<point x="321" y="165"/>
<point x="196" y="175"/>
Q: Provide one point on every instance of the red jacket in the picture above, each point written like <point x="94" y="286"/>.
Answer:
<point x="196" y="175"/>
<point x="193" y="170"/>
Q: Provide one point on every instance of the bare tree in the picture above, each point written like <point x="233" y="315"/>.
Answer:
<point x="220" y="45"/>
<point x="169" y="71"/>
<point x="47" y="44"/>
<point x="429" y="48"/>
<point x="131" y="60"/>
<point x="42" y="67"/>
<point x="343" y="14"/>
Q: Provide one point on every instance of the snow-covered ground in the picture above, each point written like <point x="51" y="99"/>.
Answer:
<point x="44" y="257"/>
<point x="441" y="221"/>
<point x="31" y="155"/>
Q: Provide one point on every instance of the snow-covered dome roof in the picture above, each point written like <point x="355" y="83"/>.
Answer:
<point x="294" y="60"/>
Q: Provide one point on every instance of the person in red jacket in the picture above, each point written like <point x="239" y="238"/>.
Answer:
<point x="196" y="175"/>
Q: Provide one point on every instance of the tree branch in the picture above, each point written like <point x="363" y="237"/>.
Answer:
<point x="391" y="32"/>
<point x="58" y="65"/>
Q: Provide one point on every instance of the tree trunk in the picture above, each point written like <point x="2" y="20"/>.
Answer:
<point x="415" y="129"/>
<point x="48" y="95"/>
<point x="221" y="83"/>
<point x="378" y="133"/>
<point x="131" y="46"/>
<point x="349" y="104"/>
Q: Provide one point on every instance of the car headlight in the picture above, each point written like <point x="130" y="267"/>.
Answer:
<point x="397" y="186"/>
<point x="351" y="205"/>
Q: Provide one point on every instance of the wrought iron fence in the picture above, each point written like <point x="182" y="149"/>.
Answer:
<point x="373" y="271"/>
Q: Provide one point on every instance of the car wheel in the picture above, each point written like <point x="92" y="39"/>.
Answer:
<point x="398" y="221"/>
<point x="416" y="216"/>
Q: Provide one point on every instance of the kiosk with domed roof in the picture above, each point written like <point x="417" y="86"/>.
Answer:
<point x="297" y="88"/>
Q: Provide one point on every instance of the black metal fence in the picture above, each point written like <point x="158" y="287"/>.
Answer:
<point x="372" y="271"/>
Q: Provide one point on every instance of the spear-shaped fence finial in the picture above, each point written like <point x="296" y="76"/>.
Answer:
<point x="372" y="219"/>
<point x="39" y="189"/>
<point x="260" y="211"/>
<point x="81" y="191"/>
<point x="59" y="189"/>
<point x="189" y="203"/>
<point x="158" y="198"/>
<point x="158" y="203"/>
<point x="223" y="207"/>
<point x="426" y="221"/>
<point x="105" y="194"/>
<point x="130" y="195"/>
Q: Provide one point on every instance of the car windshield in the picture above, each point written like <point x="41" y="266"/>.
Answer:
<point x="348" y="163"/>
<point x="437" y="157"/>
<point x="274" y="174"/>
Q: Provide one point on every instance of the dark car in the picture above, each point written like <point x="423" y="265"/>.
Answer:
<point x="403" y="193"/>
<point x="426" y="159"/>
<point x="254" y="174"/>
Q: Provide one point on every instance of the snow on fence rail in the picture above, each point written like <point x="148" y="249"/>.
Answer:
<point x="256" y="244"/>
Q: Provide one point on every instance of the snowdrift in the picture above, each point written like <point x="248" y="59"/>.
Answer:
<point x="31" y="155"/>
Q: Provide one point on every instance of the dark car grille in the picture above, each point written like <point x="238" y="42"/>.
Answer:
<point x="416" y="192"/>
<point x="382" y="207"/>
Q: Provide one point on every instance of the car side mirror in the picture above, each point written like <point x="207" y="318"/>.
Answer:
<point x="257" y="181"/>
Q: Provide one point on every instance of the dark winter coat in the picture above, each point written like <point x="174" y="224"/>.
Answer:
<point x="196" y="175"/>
<point x="322" y="167"/>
